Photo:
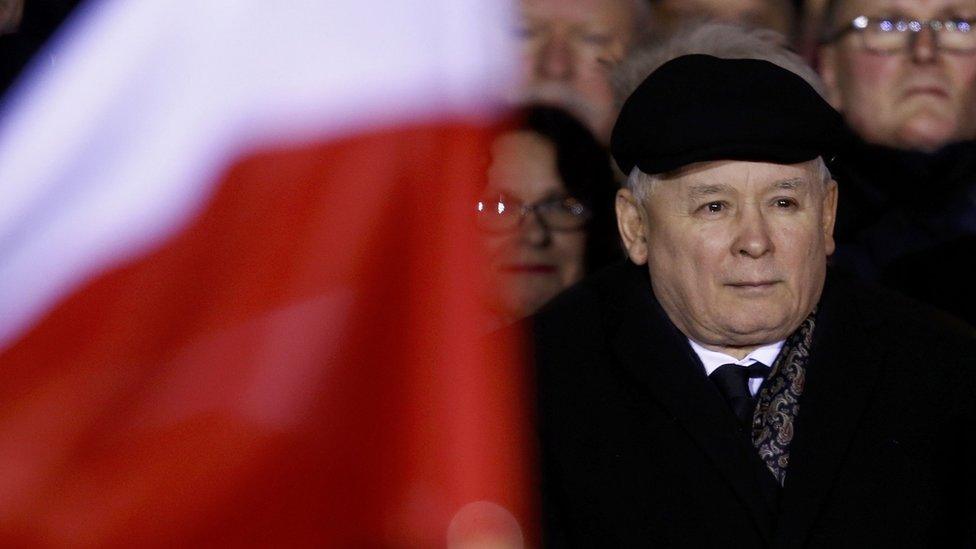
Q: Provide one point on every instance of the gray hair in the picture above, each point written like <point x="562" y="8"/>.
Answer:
<point x="723" y="40"/>
<point x="642" y="184"/>
<point x="642" y="16"/>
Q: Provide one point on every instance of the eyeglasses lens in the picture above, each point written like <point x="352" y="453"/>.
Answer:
<point x="892" y="35"/>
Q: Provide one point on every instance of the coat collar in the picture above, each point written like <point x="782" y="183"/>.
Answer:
<point x="657" y="354"/>
<point x="841" y="374"/>
<point x="840" y="381"/>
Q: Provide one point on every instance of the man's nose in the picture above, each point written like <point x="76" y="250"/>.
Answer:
<point x="923" y="46"/>
<point x="532" y="230"/>
<point x="753" y="236"/>
<point x="555" y="59"/>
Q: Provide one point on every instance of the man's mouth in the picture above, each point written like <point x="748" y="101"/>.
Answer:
<point x="752" y="285"/>
<point x="933" y="91"/>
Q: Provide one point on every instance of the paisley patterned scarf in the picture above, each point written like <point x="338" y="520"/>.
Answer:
<point x="778" y="403"/>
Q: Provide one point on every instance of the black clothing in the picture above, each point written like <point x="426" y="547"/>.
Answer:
<point x="907" y="220"/>
<point x="732" y="381"/>
<point x="639" y="449"/>
<point x="696" y="108"/>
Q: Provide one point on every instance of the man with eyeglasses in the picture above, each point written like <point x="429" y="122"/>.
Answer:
<point x="903" y="74"/>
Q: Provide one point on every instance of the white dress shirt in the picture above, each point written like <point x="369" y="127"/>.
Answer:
<point x="713" y="359"/>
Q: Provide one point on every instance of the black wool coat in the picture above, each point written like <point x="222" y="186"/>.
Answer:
<point x="638" y="449"/>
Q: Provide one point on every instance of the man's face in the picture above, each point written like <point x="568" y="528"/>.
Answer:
<point x="771" y="14"/>
<point x="736" y="251"/>
<point x="920" y="98"/>
<point x="568" y="48"/>
<point x="532" y="262"/>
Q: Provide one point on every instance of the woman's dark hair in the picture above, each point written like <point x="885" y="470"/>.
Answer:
<point x="584" y="167"/>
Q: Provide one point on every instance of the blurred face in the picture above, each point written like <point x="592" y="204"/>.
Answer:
<point x="531" y="262"/>
<point x="921" y="98"/>
<point x="736" y="251"/>
<point x="770" y="14"/>
<point x="568" y="48"/>
<point x="10" y="15"/>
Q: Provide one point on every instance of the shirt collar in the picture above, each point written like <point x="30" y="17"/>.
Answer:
<point x="713" y="359"/>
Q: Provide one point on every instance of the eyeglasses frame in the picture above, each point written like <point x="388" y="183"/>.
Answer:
<point x="525" y="209"/>
<point x="914" y="26"/>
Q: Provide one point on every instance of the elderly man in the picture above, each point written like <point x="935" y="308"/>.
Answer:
<point x="721" y="389"/>
<point x="568" y="49"/>
<point x="903" y="73"/>
<point x="904" y="76"/>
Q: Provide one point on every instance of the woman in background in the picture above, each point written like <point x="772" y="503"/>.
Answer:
<point x="547" y="212"/>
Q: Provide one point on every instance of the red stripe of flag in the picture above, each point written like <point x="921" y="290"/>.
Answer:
<point x="301" y="365"/>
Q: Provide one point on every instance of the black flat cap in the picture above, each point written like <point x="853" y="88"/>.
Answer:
<point x="698" y="107"/>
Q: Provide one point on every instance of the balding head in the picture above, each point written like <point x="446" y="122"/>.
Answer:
<point x="568" y="48"/>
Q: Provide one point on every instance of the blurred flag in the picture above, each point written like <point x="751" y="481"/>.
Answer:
<point x="238" y="283"/>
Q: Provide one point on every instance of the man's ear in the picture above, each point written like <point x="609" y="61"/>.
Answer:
<point x="829" y="215"/>
<point x="631" y="224"/>
<point x="828" y="72"/>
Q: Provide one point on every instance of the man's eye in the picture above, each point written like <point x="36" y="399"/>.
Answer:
<point x="713" y="207"/>
<point x="785" y="203"/>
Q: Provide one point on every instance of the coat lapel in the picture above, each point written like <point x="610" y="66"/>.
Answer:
<point x="657" y="354"/>
<point x="840" y="378"/>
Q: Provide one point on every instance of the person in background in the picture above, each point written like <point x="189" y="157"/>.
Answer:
<point x="782" y="16"/>
<point x="903" y="74"/>
<point x="547" y="211"/>
<point x="568" y="48"/>
<point x="720" y="39"/>
<point x="11" y="12"/>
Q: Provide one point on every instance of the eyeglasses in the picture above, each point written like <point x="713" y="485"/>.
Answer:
<point x="504" y="213"/>
<point x="889" y="35"/>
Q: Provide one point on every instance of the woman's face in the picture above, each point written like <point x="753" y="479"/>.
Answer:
<point x="531" y="262"/>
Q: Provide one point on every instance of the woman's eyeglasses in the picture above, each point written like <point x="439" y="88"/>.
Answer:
<point x="504" y="213"/>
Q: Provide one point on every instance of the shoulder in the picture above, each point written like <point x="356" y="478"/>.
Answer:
<point x="910" y="336"/>
<point x="579" y="337"/>
<point x="591" y="308"/>
<point x="894" y="317"/>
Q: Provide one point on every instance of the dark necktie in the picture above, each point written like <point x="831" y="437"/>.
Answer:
<point x="732" y="381"/>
